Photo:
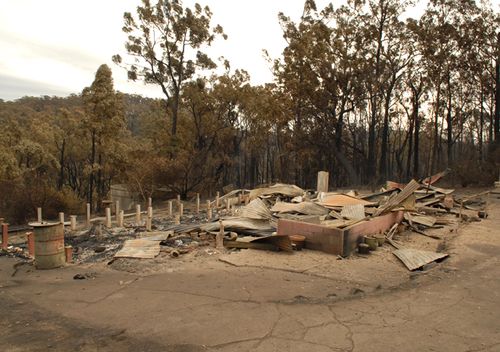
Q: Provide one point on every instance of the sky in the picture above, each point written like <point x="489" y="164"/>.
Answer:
<point x="54" y="47"/>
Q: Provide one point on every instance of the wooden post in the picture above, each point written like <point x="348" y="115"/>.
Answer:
<point x="31" y="244"/>
<point x="117" y="210"/>
<point x="138" y="214"/>
<point x="121" y="216"/>
<point x="61" y="218"/>
<point x="170" y="211"/>
<point x="150" y="202"/>
<point x="228" y="204"/>
<point x="68" y="252"/>
<point x="178" y="199"/>
<point x="39" y="215"/>
<point x="217" y="200"/>
<point x="149" y="219"/>
<point x="5" y="236"/>
<point x="209" y="210"/>
<point x="73" y="222"/>
<point x="88" y="215"/>
<point x="219" y="238"/>
<point x="181" y="209"/>
<point x="323" y="181"/>
<point x="197" y="203"/>
<point x="108" y="217"/>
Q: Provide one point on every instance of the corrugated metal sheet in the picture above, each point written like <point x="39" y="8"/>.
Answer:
<point x="399" y="198"/>
<point x="140" y="248"/>
<point x="356" y="212"/>
<point x="256" y="209"/>
<point x="306" y="208"/>
<point x="340" y="200"/>
<point x="414" y="258"/>
<point x="278" y="189"/>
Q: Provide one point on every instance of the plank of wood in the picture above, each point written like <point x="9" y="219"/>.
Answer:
<point x="250" y="245"/>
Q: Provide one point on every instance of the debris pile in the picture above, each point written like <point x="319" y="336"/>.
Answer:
<point x="285" y="217"/>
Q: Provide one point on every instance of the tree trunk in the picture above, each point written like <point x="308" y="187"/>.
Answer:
<point x="61" y="165"/>
<point x="91" y="176"/>
<point x="384" y="167"/>
<point x="481" y="126"/>
<point x="175" y="111"/>
<point x="371" y="140"/>
<point x="99" y="186"/>
<point x="436" y="131"/>
<point x="417" y="141"/>
<point x="497" y="98"/>
<point x="449" y="122"/>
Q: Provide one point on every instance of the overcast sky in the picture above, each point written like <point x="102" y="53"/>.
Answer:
<point x="54" y="47"/>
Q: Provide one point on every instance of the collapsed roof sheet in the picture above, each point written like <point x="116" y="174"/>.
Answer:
<point x="341" y="200"/>
<point x="278" y="189"/>
<point x="306" y="208"/>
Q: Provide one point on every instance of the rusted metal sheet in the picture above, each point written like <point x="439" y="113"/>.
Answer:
<point x="256" y="209"/>
<point x="306" y="208"/>
<point x="414" y="259"/>
<point x="139" y="248"/>
<point x="353" y="234"/>
<point x="390" y="185"/>
<point x="356" y="212"/>
<point x="277" y="189"/>
<point x="399" y="198"/>
<point x="434" y="178"/>
<point x="340" y="200"/>
<point x="318" y="237"/>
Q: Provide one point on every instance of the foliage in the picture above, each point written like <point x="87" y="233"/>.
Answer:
<point x="362" y="90"/>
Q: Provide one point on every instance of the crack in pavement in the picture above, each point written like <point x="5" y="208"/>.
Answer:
<point x="350" y="333"/>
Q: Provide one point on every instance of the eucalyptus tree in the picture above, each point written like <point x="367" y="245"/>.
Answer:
<point x="166" y="42"/>
<point x="104" y="121"/>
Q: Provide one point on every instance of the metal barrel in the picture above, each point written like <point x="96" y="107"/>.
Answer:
<point x="49" y="245"/>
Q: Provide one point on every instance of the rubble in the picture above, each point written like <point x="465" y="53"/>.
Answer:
<point x="274" y="217"/>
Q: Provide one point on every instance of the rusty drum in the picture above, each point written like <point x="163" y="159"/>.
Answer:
<point x="49" y="245"/>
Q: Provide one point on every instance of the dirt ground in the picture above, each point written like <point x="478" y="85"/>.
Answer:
<point x="263" y="301"/>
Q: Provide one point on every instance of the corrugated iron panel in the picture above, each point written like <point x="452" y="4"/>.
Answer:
<point x="307" y="208"/>
<point x="340" y="200"/>
<point x="399" y="198"/>
<point x="140" y="248"/>
<point x="256" y="209"/>
<point x="415" y="258"/>
<point x="356" y="211"/>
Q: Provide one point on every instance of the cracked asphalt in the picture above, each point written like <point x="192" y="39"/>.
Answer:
<point x="454" y="307"/>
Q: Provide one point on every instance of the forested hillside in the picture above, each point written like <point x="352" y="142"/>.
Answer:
<point x="363" y="91"/>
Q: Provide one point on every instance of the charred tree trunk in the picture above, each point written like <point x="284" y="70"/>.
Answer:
<point x="384" y="167"/>
<point x="417" y="144"/>
<point x="481" y="126"/>
<point x="410" y="146"/>
<point x="435" y="146"/>
<point x="61" y="165"/>
<point x="497" y="97"/>
<point x="449" y="122"/>
<point x="91" y="176"/>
